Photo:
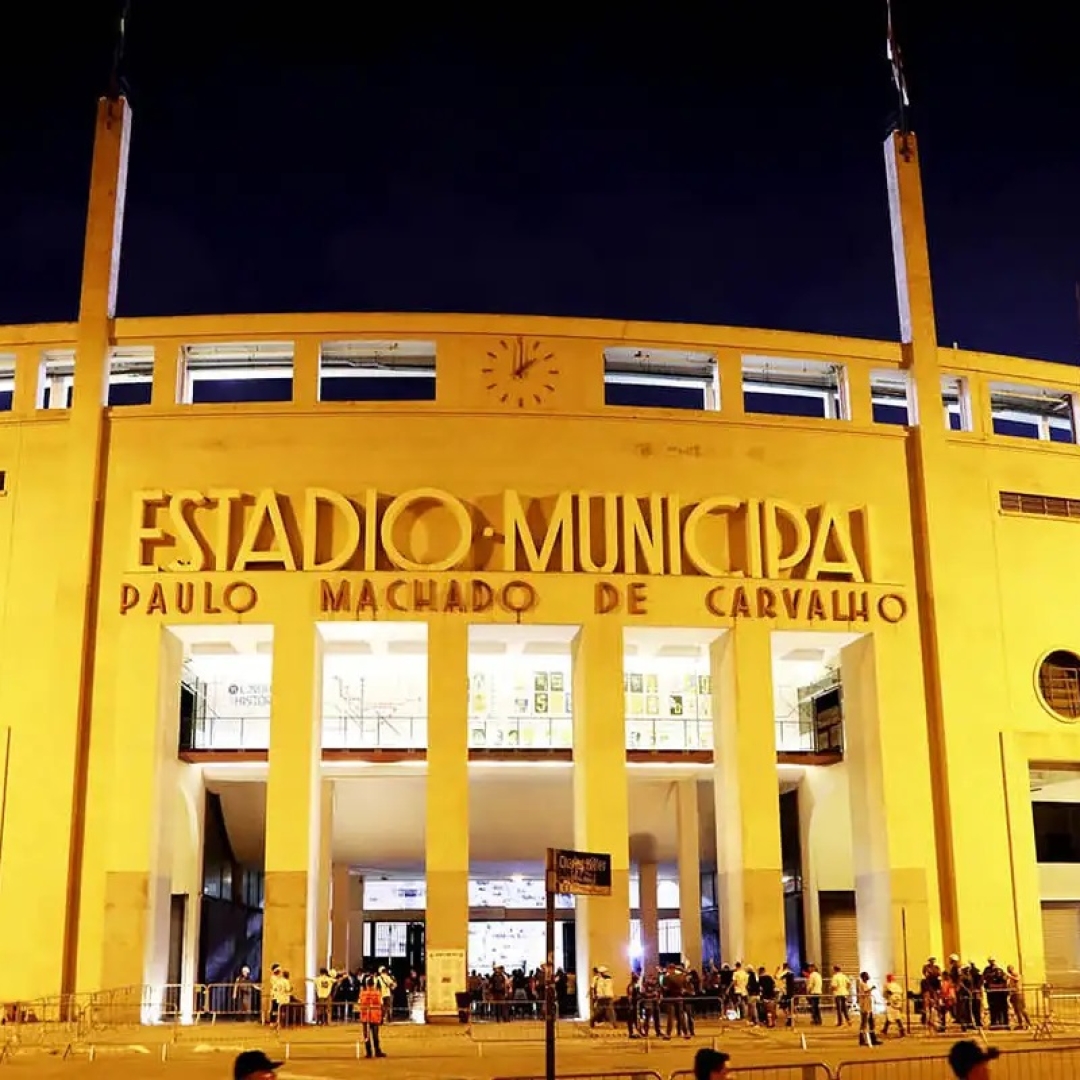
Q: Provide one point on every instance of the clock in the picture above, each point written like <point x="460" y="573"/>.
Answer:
<point x="520" y="373"/>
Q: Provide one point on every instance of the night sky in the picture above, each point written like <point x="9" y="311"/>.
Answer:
<point x="715" y="168"/>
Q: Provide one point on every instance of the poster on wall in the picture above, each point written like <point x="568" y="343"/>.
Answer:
<point x="445" y="978"/>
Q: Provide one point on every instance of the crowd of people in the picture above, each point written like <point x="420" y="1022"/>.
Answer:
<point x="958" y="993"/>
<point x="368" y="998"/>
<point x="664" y="1001"/>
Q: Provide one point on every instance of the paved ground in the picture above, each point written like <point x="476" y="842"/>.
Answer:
<point x="446" y="1052"/>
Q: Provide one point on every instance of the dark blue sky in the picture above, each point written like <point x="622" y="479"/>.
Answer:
<point x="722" y="168"/>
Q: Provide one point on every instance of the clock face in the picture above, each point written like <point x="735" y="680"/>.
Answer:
<point x="520" y="373"/>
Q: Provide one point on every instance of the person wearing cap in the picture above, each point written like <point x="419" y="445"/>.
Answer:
<point x="254" y="1065"/>
<point x="969" y="1061"/>
<point x="603" y="995"/>
<point x="711" y="1065"/>
<point x="894" y="1005"/>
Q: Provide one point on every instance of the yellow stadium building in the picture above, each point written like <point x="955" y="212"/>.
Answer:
<point x="318" y="630"/>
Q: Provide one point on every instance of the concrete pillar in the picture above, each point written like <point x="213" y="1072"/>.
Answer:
<point x="749" y="863"/>
<point x="340" y="900"/>
<point x="293" y="802"/>
<point x="689" y="835"/>
<point x="356" y="923"/>
<point x="48" y="707"/>
<point x="650" y="918"/>
<point x="447" y="839"/>
<point x="974" y="891"/>
<point x="892" y="817"/>
<point x="601" y="796"/>
<point x="140" y="835"/>
<point x="325" y="881"/>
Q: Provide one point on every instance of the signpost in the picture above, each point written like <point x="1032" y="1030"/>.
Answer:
<point x="580" y="873"/>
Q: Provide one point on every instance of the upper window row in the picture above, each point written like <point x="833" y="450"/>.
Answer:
<point x="405" y="371"/>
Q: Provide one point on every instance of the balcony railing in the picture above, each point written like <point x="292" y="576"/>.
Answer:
<point x="798" y="737"/>
<point x="669" y="735"/>
<point x="227" y="733"/>
<point x="522" y="733"/>
<point x="375" y="733"/>
<point x="246" y="733"/>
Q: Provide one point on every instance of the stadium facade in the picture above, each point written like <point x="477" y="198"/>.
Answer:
<point x="319" y="629"/>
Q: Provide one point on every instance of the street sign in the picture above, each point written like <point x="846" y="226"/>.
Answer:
<point x="579" y="873"/>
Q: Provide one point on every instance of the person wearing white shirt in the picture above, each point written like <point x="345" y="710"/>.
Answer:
<point x="740" y="982"/>
<point x="814" y="988"/>
<point x="894" y="1005"/>
<point x="840" y="985"/>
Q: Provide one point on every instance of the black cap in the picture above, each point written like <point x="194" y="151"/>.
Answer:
<point x="965" y="1055"/>
<point x="706" y="1062"/>
<point x="253" y="1061"/>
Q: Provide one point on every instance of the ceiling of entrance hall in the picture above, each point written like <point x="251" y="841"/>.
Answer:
<point x="515" y="815"/>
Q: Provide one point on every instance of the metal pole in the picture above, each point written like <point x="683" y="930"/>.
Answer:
<point x="907" y="984"/>
<point x="550" y="1000"/>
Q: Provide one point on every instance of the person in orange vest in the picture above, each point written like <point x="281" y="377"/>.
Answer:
<point x="370" y="1006"/>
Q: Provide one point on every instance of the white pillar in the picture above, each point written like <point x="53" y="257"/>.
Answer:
<point x="689" y="829"/>
<point x="601" y="797"/>
<point x="650" y="916"/>
<point x="340" y="900"/>
<point x="356" y="923"/>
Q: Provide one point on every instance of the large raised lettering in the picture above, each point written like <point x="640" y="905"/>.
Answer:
<point x="405" y="501"/>
<point x="560" y="529"/>
<point x="267" y="511"/>
<point x="340" y="508"/>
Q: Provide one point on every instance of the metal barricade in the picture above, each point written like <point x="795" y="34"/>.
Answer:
<point x="618" y="1074"/>
<point x="1040" y="1063"/>
<point x="1055" y="1012"/>
<point x="804" y="1070"/>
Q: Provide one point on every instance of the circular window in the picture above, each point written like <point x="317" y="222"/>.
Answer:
<point x="1059" y="684"/>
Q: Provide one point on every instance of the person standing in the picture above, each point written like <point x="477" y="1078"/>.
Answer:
<point x="894" y="1005"/>
<point x="633" y="999"/>
<point x="864" y="998"/>
<point x="740" y="983"/>
<point x="1016" y="998"/>
<point x="386" y="984"/>
<point x="767" y="990"/>
<point x="244" y="995"/>
<point x="840" y="985"/>
<point x="603" y="995"/>
<point x="650" y="1002"/>
<point x="324" y="987"/>
<point x="814" y="988"/>
<point x="673" y="989"/>
<point x="371" y="1015"/>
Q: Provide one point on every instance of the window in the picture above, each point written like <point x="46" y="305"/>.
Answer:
<point x="395" y="895"/>
<point x="660" y="379"/>
<point x="7" y="381"/>
<point x="956" y="401"/>
<point x="377" y="371"/>
<point x="1053" y="506"/>
<point x="1032" y="412"/>
<point x="1059" y="684"/>
<point x="56" y="378"/>
<point x="1057" y="832"/>
<point x="778" y="387"/>
<point x="670" y="933"/>
<point x="890" y="397"/>
<point x="131" y="376"/>
<point x="236" y="373"/>
<point x="390" y="939"/>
